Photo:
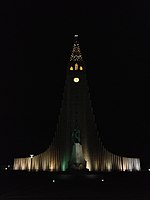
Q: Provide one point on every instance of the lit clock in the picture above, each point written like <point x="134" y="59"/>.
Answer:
<point x="76" y="79"/>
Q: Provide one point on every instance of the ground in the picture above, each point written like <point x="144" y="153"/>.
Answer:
<point x="46" y="185"/>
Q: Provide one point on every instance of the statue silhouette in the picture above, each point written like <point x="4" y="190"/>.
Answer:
<point x="76" y="136"/>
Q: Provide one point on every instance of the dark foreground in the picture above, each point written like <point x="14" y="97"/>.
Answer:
<point x="45" y="185"/>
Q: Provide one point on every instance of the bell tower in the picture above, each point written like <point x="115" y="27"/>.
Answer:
<point x="75" y="85"/>
<point x="76" y="65"/>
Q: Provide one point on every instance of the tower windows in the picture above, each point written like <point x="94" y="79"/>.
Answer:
<point x="71" y="68"/>
<point x="81" y="68"/>
<point x="76" y="66"/>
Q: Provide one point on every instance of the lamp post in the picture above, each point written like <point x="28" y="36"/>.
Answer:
<point x="31" y="156"/>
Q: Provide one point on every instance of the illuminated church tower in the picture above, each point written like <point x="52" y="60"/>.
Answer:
<point x="76" y="144"/>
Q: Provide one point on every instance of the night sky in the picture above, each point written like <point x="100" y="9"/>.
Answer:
<point x="35" y="45"/>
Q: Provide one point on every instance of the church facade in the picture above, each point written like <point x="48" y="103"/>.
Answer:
<point x="77" y="144"/>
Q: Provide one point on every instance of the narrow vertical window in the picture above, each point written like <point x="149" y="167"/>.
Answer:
<point x="76" y="66"/>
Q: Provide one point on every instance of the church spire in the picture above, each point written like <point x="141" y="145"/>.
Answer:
<point x="76" y="52"/>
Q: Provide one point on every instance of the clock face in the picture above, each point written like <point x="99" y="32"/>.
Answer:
<point x="76" y="79"/>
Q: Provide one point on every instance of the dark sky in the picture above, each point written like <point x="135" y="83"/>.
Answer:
<point x="35" y="44"/>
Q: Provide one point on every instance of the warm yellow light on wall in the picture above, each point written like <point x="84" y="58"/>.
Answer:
<point x="88" y="165"/>
<point x="71" y="68"/>
<point x="76" y="66"/>
<point x="81" y="68"/>
<point x="52" y="166"/>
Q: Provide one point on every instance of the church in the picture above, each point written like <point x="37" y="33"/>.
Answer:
<point x="76" y="144"/>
